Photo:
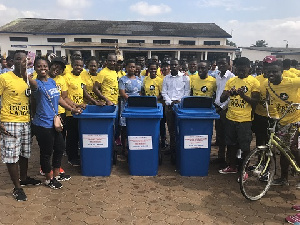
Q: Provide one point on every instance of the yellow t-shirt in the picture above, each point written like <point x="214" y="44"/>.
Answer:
<point x="295" y="71"/>
<point x="121" y="73"/>
<point x="75" y="89"/>
<point x="152" y="87"/>
<point x="34" y="75"/>
<point x="260" y="107"/>
<point x="89" y="82"/>
<point x="288" y="73"/>
<point x="61" y="86"/>
<point x="109" y="84"/>
<point x="15" y="104"/>
<point x="203" y="87"/>
<point x="238" y="109"/>
<point x="288" y="90"/>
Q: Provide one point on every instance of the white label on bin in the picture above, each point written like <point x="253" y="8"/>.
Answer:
<point x="140" y="142"/>
<point x="195" y="141"/>
<point x="95" y="140"/>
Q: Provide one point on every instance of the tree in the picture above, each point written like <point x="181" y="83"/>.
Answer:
<point x="230" y="43"/>
<point x="260" y="43"/>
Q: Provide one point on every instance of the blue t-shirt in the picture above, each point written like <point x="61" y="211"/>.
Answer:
<point x="44" y="110"/>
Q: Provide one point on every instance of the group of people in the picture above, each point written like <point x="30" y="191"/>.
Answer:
<point x="31" y="99"/>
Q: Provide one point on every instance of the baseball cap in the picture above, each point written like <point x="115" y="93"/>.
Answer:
<point x="269" y="59"/>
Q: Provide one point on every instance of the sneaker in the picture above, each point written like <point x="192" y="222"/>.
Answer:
<point x="30" y="181"/>
<point x="280" y="182"/>
<point x="293" y="219"/>
<point x="298" y="186"/>
<point x="245" y="177"/>
<point x="63" y="177"/>
<point x="74" y="162"/>
<point x="61" y="170"/>
<point x="296" y="207"/>
<point x="19" y="194"/>
<point x="228" y="170"/>
<point x="53" y="183"/>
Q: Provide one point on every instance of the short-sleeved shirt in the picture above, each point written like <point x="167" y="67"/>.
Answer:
<point x="15" y="104"/>
<point x="89" y="81"/>
<point x="287" y="90"/>
<point x="238" y="109"/>
<point x="153" y="86"/>
<point x="261" y="107"/>
<point x="203" y="87"/>
<point x="75" y="89"/>
<point x="46" y="109"/>
<point x="109" y="84"/>
<point x="61" y="86"/>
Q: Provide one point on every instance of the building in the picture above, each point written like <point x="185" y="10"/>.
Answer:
<point x="205" y="41"/>
<point x="258" y="53"/>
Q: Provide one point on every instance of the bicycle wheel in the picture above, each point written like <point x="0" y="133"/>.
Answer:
<point x="257" y="173"/>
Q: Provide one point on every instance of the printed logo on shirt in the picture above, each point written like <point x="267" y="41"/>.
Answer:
<point x="152" y="87"/>
<point x="204" y="89"/>
<point x="245" y="89"/>
<point x="284" y="96"/>
<point x="58" y="87"/>
<point x="18" y="109"/>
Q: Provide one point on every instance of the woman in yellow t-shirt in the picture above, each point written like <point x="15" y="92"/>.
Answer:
<point x="152" y="84"/>
<point x="89" y="78"/>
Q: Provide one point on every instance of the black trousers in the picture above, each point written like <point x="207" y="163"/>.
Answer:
<point x="72" y="139"/>
<point x="50" y="142"/>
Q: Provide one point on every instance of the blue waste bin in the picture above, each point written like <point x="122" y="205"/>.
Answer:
<point x="96" y="134"/>
<point x="143" y="115"/>
<point x="194" y="128"/>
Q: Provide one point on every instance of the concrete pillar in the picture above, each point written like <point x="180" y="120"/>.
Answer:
<point x="205" y="57"/>
<point x="149" y="54"/>
<point x="202" y="54"/>
<point x="93" y="52"/>
<point x="178" y="55"/>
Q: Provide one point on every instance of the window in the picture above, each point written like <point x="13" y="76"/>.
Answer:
<point x="135" y="41"/>
<point x="161" y="42"/>
<point x="58" y="53"/>
<point x="187" y="42"/>
<point x="83" y="39"/>
<point x="211" y="42"/>
<point x="109" y="40"/>
<point x="22" y="39"/>
<point x="60" y="40"/>
<point x="38" y="52"/>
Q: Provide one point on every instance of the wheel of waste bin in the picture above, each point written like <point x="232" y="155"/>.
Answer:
<point x="115" y="155"/>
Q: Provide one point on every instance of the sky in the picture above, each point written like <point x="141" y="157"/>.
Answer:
<point x="277" y="22"/>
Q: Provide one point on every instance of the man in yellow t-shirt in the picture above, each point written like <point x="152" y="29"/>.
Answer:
<point x="152" y="84"/>
<point x="15" y="125"/>
<point x="282" y="92"/>
<point x="202" y="84"/>
<point x="106" y="85"/>
<point x="75" y="86"/>
<point x="243" y="91"/>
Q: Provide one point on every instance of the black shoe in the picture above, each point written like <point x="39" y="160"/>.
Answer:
<point x="63" y="177"/>
<point x="54" y="184"/>
<point x="74" y="162"/>
<point x="19" y="194"/>
<point x="265" y="177"/>
<point x="30" y="181"/>
<point x="280" y="182"/>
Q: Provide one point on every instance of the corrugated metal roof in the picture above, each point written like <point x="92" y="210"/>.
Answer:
<point x="104" y="27"/>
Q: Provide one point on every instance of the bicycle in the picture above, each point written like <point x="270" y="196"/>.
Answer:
<point x="259" y="166"/>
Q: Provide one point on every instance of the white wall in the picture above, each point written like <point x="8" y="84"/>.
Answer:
<point x="254" y="54"/>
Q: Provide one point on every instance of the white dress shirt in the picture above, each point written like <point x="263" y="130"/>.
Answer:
<point x="175" y="88"/>
<point x="221" y="82"/>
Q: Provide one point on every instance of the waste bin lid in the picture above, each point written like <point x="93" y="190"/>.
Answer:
<point x="143" y="112"/>
<point x="93" y="111"/>
<point x="196" y="113"/>
<point x="196" y="102"/>
<point x="142" y="101"/>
